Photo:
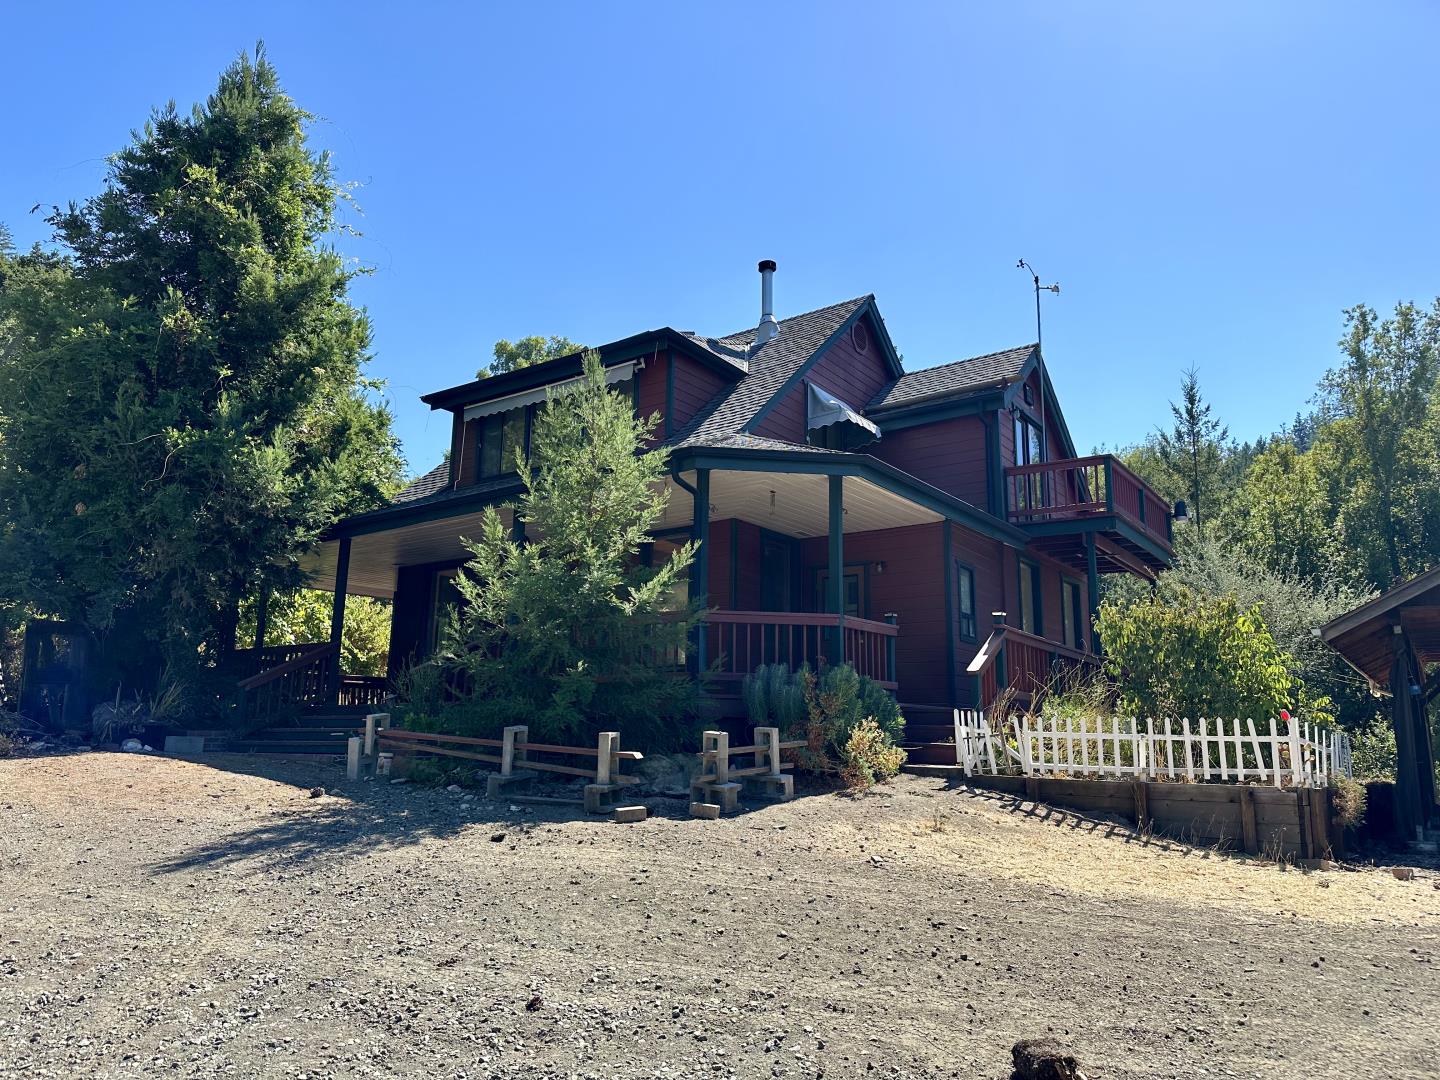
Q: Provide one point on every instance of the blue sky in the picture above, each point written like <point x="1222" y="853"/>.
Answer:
<point x="1210" y="184"/>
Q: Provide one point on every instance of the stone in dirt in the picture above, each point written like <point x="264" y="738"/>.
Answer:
<point x="1044" y="1059"/>
<point x="627" y="814"/>
<point x="497" y="838"/>
<point x="1403" y="873"/>
<point x="316" y="792"/>
<point x="705" y="810"/>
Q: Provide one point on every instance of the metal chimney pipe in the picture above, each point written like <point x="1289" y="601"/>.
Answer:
<point x="768" y="327"/>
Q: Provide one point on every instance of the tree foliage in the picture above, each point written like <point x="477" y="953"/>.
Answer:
<point x="522" y="353"/>
<point x="1191" y="655"/>
<point x="1193" y="450"/>
<point x="182" y="408"/>
<point x="297" y="616"/>
<point x="567" y="630"/>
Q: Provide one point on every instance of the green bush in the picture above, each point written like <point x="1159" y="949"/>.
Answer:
<point x="1350" y="800"/>
<point x="850" y="724"/>
<point x="1189" y="655"/>
<point x="1372" y="751"/>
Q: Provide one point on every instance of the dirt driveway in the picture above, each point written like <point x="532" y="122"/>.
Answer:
<point x="163" y="918"/>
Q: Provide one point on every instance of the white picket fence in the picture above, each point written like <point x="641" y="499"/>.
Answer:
<point x="1286" y="752"/>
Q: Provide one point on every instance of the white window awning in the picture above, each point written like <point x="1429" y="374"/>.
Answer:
<point x="823" y="408"/>
<point x="617" y="373"/>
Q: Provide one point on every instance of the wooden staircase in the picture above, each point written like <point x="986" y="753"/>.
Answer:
<point x="317" y="730"/>
<point x="929" y="734"/>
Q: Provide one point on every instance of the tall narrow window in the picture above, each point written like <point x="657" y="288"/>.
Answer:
<point x="1030" y="615"/>
<point x="965" y="602"/>
<point x="1072" y="613"/>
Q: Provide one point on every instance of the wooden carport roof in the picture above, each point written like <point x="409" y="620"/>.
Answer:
<point x="1365" y="636"/>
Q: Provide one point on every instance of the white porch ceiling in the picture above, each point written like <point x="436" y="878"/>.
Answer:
<point x="374" y="556"/>
<point x="796" y="504"/>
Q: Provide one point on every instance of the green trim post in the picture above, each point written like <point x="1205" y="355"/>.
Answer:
<point x="337" y="614"/>
<point x="836" y="600"/>
<point x="700" y="568"/>
<point x="262" y="615"/>
<point x="1092" y="588"/>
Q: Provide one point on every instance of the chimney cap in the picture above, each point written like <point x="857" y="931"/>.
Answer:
<point x="767" y="264"/>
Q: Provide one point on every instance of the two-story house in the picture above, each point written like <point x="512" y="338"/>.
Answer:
<point x="844" y="506"/>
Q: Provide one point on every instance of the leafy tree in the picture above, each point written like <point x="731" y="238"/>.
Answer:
<point x="1190" y="655"/>
<point x="1194" y="449"/>
<point x="568" y="631"/>
<point x="1384" y="421"/>
<point x="182" y="408"/>
<point x="1284" y="510"/>
<point x="1291" y="607"/>
<point x="303" y="615"/>
<point x="514" y="355"/>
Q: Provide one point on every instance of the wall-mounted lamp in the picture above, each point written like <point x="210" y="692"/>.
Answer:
<point x="879" y="568"/>
<point x="1181" y="513"/>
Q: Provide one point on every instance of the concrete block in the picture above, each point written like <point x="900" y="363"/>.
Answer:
<point x="601" y="798"/>
<point x="496" y="783"/>
<point x="708" y="810"/>
<point x="626" y="814"/>
<point x="185" y="745"/>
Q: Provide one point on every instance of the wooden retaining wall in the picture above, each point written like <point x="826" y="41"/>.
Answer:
<point x="1294" y="823"/>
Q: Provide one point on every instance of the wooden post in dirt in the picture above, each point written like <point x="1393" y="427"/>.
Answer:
<point x="1249" y="831"/>
<point x="512" y="735"/>
<point x="1140" y="789"/>
<point x="374" y="723"/>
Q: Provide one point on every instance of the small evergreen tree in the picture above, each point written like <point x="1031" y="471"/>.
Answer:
<point x="567" y="630"/>
<point x="1193" y="449"/>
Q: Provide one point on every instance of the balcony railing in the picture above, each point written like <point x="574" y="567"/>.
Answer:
<point x="1074" y="489"/>
<point x="742" y="641"/>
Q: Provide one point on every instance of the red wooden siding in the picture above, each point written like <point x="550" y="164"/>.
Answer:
<point x="695" y="387"/>
<point x="651" y="393"/>
<point x="950" y="454"/>
<point x="843" y="370"/>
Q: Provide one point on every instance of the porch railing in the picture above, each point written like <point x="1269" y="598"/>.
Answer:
<point x="741" y="641"/>
<point x="305" y="679"/>
<point x="1072" y="489"/>
<point x="1019" y="661"/>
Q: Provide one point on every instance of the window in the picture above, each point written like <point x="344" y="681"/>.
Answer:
<point x="852" y="593"/>
<point x="502" y="435"/>
<point x="1029" y="450"/>
<point x="1072" y="613"/>
<point x="965" y="601"/>
<point x="1030" y="614"/>
<point x="445" y="602"/>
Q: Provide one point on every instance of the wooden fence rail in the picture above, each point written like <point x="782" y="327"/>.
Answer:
<point x="716" y="789"/>
<point x="521" y="760"/>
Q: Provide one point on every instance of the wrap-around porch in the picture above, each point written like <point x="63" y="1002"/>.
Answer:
<point x="797" y="565"/>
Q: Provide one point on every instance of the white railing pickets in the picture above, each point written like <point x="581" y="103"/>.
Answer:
<point x="1299" y="754"/>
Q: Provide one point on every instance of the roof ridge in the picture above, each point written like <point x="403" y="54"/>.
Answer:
<point x="855" y="300"/>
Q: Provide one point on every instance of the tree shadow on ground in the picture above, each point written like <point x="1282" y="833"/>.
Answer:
<point x="1077" y="821"/>
<point x="352" y="818"/>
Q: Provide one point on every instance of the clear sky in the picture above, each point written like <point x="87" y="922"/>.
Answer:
<point x="1210" y="183"/>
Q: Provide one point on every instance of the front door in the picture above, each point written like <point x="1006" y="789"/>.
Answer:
<point x="776" y="556"/>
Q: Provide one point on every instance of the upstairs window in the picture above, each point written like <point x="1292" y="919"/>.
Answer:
<point x="502" y="436"/>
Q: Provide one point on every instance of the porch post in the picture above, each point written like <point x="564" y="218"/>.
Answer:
<point x="337" y="613"/>
<point x="262" y="615"/>
<point x="1092" y="588"/>
<point x="836" y="600"/>
<point x="700" y="568"/>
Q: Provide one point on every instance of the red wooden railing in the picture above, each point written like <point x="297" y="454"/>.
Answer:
<point x="1075" y="488"/>
<point x="1030" y="665"/>
<point x="742" y="641"/>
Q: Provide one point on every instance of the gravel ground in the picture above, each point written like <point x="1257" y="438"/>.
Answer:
<point x="165" y="918"/>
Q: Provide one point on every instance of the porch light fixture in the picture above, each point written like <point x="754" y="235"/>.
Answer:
<point x="1181" y="513"/>
<point x="879" y="568"/>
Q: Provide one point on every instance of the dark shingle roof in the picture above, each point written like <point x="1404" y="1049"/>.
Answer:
<point x="753" y="442"/>
<point x="779" y="359"/>
<point x="960" y="379"/>
<point x="435" y="480"/>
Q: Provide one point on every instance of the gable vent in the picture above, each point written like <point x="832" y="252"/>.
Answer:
<point x="860" y="336"/>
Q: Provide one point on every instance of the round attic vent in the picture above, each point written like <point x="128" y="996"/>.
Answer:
<point x="860" y="336"/>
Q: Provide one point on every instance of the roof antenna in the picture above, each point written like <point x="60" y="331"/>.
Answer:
<point x="1023" y="265"/>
